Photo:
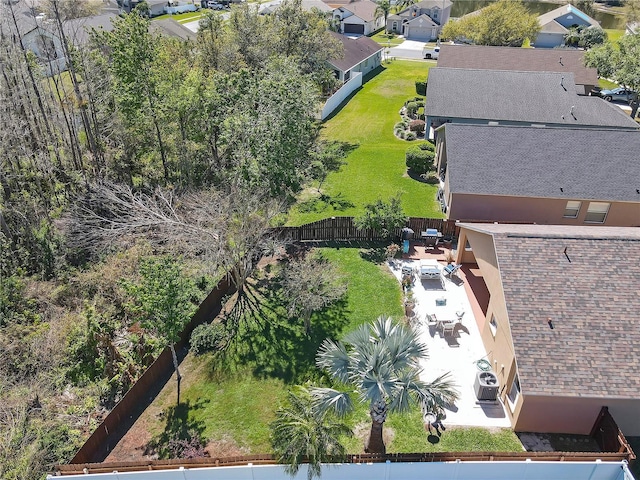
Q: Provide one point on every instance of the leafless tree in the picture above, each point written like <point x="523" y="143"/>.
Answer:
<point x="311" y="284"/>
<point x="228" y="231"/>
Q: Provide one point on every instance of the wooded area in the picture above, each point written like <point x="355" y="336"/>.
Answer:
<point x="149" y="162"/>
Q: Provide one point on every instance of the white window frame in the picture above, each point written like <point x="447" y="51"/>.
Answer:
<point x="515" y="386"/>
<point x="597" y="208"/>
<point x="394" y="26"/>
<point x="572" y="205"/>
<point x="493" y="325"/>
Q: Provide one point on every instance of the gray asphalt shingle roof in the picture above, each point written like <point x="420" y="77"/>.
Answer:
<point x="538" y="162"/>
<point x="355" y="51"/>
<point x="519" y="59"/>
<point x="529" y="97"/>
<point x="593" y="349"/>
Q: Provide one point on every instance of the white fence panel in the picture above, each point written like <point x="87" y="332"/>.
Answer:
<point x="343" y="92"/>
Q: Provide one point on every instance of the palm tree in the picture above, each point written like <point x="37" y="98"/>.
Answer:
<point x="381" y="361"/>
<point x="301" y="431"/>
<point x="382" y="10"/>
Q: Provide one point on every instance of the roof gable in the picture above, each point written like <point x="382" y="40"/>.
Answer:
<point x="421" y="21"/>
<point x="551" y="16"/>
<point x="518" y="59"/>
<point x="542" y="97"/>
<point x="566" y="163"/>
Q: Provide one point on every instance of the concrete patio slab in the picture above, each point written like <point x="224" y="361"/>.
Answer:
<point x="455" y="353"/>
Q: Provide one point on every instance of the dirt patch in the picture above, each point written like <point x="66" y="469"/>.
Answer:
<point x="226" y="447"/>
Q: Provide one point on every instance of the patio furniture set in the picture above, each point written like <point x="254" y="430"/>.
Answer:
<point x="445" y="320"/>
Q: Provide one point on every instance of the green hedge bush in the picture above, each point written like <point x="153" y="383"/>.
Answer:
<point x="421" y="87"/>
<point x="419" y="161"/>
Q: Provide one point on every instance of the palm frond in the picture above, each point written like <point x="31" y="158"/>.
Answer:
<point x="437" y="393"/>
<point x="383" y="327"/>
<point x="334" y="358"/>
<point x="325" y="399"/>
<point x="378" y="384"/>
<point x="405" y="348"/>
<point x="360" y="338"/>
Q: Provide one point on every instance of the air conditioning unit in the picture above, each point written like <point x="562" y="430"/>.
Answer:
<point x="486" y="386"/>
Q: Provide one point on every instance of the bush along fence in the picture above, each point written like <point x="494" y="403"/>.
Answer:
<point x="343" y="229"/>
<point x="144" y="391"/>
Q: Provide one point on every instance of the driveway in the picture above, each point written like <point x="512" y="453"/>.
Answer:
<point x="407" y="49"/>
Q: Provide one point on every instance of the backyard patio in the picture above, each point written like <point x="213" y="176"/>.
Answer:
<point x="453" y="336"/>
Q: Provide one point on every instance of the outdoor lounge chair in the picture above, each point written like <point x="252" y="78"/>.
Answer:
<point x="451" y="269"/>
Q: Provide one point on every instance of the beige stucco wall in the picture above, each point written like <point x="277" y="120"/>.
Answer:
<point x="547" y="211"/>
<point x="575" y="414"/>
<point x="499" y="345"/>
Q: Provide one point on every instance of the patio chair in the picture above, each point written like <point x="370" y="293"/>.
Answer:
<point x="449" y="327"/>
<point x="451" y="269"/>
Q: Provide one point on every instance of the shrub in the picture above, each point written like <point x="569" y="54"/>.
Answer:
<point x="417" y="126"/>
<point x="382" y="217"/>
<point x="421" y="116"/>
<point x="419" y="161"/>
<point x="399" y="126"/>
<point x="412" y="108"/>
<point x="401" y="134"/>
<point x="427" y="146"/>
<point x="410" y="136"/>
<point x="208" y="338"/>
<point x="421" y="87"/>
<point x="431" y="178"/>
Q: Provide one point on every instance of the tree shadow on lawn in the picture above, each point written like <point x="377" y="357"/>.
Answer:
<point x="365" y="79"/>
<point x="279" y="347"/>
<point x="179" y="427"/>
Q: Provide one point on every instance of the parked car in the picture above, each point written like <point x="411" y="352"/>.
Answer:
<point x="431" y="53"/>
<point x="620" y="93"/>
<point x="214" y="5"/>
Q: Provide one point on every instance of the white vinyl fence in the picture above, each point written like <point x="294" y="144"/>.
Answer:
<point x="343" y="92"/>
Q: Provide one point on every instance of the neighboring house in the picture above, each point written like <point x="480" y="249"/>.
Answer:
<point x="46" y="43"/>
<point x="307" y="6"/>
<point x="422" y="21"/>
<point x="516" y="98"/>
<point x="556" y="24"/>
<point x="521" y="59"/>
<point x="539" y="175"/>
<point x="360" y="55"/>
<point x="561" y="324"/>
<point x="47" y="47"/>
<point x="358" y="18"/>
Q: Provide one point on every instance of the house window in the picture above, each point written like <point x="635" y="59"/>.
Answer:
<point x="572" y="209"/>
<point x="514" y="391"/>
<point x="347" y="75"/>
<point x="493" y="325"/>
<point x="394" y="26"/>
<point x="597" y="212"/>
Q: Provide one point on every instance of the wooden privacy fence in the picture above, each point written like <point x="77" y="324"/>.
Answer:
<point x="343" y="229"/>
<point x="121" y="467"/>
<point x="142" y="393"/>
<point x="608" y="435"/>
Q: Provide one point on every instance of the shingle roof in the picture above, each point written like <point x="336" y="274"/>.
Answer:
<point x="365" y="9"/>
<point x="591" y="296"/>
<point x="538" y="162"/>
<point x="518" y="59"/>
<point x="549" y="17"/>
<point x="528" y="97"/>
<point x="433" y="3"/>
<point x="355" y="51"/>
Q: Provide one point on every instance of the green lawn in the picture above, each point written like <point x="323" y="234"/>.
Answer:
<point x="614" y="34"/>
<point x="606" y="84"/>
<point x="385" y="39"/>
<point x="182" y="17"/>
<point x="376" y="166"/>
